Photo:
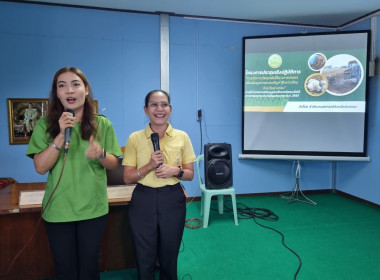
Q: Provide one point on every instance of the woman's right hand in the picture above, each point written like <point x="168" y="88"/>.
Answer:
<point x="45" y="160"/>
<point x="66" y="120"/>
<point x="156" y="159"/>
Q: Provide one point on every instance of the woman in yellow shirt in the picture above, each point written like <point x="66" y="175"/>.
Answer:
<point x="158" y="205"/>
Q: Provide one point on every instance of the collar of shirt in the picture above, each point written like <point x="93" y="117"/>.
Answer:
<point x="149" y="131"/>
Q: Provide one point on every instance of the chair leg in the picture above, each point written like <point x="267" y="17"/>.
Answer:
<point x="233" y="198"/>
<point x="202" y="203"/>
<point x="220" y="203"/>
<point x="206" y="209"/>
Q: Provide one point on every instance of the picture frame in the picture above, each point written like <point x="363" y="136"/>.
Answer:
<point x="23" y="114"/>
<point x="95" y="104"/>
<point x="21" y="129"/>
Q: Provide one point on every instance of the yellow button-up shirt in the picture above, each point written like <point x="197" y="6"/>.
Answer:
<point x="175" y="145"/>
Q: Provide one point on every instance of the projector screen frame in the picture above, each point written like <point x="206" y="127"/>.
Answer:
<point x="309" y="154"/>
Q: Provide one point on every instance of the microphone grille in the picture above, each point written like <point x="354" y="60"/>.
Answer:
<point x="154" y="136"/>
<point x="71" y="111"/>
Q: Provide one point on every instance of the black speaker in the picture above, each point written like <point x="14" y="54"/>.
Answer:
<point x="218" y="165"/>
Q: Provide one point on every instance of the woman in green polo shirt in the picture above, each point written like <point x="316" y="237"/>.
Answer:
<point x="75" y="205"/>
<point x="158" y="205"/>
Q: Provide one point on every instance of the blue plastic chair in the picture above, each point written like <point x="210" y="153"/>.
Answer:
<point x="208" y="193"/>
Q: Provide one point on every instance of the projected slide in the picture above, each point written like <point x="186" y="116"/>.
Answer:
<point x="307" y="81"/>
<point x="316" y="80"/>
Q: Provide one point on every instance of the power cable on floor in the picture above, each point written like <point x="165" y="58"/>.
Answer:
<point x="265" y="214"/>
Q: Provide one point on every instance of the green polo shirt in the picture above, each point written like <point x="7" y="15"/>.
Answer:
<point x="175" y="145"/>
<point x="82" y="191"/>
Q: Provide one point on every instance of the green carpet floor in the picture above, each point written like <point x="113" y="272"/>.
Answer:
<point x="339" y="238"/>
<point x="336" y="239"/>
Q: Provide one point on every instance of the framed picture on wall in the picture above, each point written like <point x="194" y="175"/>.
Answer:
<point x="95" y="106"/>
<point x="23" y="114"/>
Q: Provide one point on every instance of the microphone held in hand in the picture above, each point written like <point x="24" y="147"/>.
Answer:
<point x="156" y="142"/>
<point x="68" y="132"/>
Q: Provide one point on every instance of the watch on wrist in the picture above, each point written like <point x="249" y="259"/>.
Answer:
<point x="180" y="173"/>
<point x="103" y="155"/>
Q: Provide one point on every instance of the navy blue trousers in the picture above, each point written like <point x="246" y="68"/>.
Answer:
<point x="157" y="220"/>
<point x="76" y="248"/>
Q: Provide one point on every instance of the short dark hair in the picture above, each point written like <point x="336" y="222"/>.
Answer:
<point x="147" y="97"/>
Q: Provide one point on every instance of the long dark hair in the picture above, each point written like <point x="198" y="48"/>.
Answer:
<point x="88" y="126"/>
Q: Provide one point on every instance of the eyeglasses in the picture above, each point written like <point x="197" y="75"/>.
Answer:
<point x="155" y="105"/>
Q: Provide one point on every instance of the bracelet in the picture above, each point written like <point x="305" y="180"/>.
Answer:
<point x="103" y="155"/>
<point x="138" y="174"/>
<point x="55" y="146"/>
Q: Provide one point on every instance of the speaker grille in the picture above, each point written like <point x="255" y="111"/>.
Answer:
<point x="218" y="166"/>
<point x="219" y="172"/>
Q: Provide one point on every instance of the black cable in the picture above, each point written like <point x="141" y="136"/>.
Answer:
<point x="180" y="251"/>
<point x="200" y="129"/>
<point x="55" y="188"/>
<point x="204" y="120"/>
<point x="183" y="247"/>
<point x="265" y="214"/>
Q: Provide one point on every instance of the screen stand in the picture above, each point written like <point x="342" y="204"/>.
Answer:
<point x="296" y="194"/>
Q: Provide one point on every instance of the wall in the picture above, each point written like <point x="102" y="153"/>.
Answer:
<point x="119" y="53"/>
<point x="360" y="179"/>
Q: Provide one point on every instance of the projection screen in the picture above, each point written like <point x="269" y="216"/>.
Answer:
<point x="304" y="96"/>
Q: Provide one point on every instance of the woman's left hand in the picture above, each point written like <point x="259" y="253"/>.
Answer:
<point x="166" y="171"/>
<point x="94" y="150"/>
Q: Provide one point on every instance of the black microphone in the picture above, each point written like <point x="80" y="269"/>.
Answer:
<point x="68" y="132"/>
<point x="156" y="142"/>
